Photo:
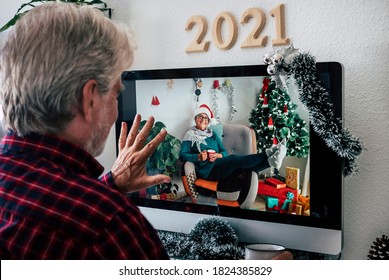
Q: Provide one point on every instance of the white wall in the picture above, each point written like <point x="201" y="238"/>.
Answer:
<point x="353" y="32"/>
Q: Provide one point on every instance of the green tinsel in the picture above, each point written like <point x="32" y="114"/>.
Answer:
<point x="321" y="115"/>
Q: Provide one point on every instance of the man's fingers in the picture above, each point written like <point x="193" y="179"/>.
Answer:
<point x="141" y="137"/>
<point x="133" y="131"/>
<point x="158" y="179"/>
<point x="153" y="144"/>
<point x="122" y="137"/>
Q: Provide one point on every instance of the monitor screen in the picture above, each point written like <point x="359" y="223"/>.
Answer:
<point x="298" y="205"/>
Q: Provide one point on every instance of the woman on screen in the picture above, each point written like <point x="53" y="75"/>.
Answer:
<point x="204" y="148"/>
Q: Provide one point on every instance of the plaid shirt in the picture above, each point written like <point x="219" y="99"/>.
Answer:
<point x="52" y="206"/>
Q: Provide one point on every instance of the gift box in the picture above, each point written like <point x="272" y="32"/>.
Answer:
<point x="275" y="183"/>
<point x="292" y="177"/>
<point x="277" y="204"/>
<point x="295" y="208"/>
<point x="304" y="202"/>
<point x="283" y="193"/>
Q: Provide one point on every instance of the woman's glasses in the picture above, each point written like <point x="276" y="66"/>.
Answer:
<point x="205" y="117"/>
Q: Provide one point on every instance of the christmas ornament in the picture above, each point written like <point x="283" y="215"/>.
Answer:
<point x="380" y="249"/>
<point x="198" y="84"/>
<point x="155" y="101"/>
<point x="170" y="83"/>
<point x="265" y="83"/>
<point x="272" y="69"/>
<point x="277" y="59"/>
<point x="285" y="109"/>
<point x="267" y="58"/>
<point x="270" y="124"/>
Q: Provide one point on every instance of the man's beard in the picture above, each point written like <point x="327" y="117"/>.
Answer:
<point x="99" y="134"/>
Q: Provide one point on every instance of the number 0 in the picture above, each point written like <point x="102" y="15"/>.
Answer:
<point x="217" y="31"/>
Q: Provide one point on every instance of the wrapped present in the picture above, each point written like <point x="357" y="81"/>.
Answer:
<point x="295" y="208"/>
<point x="304" y="202"/>
<point x="292" y="177"/>
<point x="275" y="183"/>
<point x="277" y="204"/>
<point x="283" y="193"/>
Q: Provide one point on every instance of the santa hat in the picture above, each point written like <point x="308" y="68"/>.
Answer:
<point x="204" y="109"/>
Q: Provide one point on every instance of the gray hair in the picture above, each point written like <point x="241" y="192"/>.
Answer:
<point x="50" y="54"/>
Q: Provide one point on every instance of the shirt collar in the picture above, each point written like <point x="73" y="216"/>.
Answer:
<point x="53" y="148"/>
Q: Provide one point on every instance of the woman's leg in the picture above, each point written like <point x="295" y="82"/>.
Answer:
<point x="227" y="165"/>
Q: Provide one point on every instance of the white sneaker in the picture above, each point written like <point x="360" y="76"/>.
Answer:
<point x="276" y="159"/>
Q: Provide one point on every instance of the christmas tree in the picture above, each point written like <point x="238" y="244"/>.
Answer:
<point x="275" y="118"/>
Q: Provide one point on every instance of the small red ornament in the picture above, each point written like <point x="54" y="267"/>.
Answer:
<point x="266" y="82"/>
<point x="270" y="123"/>
<point x="285" y="109"/>
<point x="155" y="101"/>
<point x="216" y="84"/>
<point x="275" y="141"/>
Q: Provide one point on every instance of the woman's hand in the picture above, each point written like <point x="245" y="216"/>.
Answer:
<point x="203" y="156"/>
<point x="214" y="156"/>
<point x="129" y="169"/>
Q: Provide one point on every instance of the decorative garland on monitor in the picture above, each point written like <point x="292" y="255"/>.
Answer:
<point x="287" y="63"/>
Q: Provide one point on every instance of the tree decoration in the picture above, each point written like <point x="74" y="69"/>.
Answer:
<point x="170" y="83"/>
<point x="302" y="67"/>
<point x="379" y="250"/>
<point x="198" y="85"/>
<point x="155" y="101"/>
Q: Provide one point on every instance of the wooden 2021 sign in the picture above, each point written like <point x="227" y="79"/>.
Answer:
<point x="253" y="40"/>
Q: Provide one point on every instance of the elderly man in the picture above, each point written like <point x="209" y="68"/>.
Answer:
<point x="60" y="73"/>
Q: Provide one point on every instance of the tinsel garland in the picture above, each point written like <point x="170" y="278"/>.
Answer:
<point x="210" y="239"/>
<point x="321" y="115"/>
<point x="302" y="67"/>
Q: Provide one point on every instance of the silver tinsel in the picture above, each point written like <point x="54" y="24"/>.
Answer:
<point x="228" y="90"/>
<point x="215" y="93"/>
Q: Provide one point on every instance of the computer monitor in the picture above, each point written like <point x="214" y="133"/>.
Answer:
<point x="169" y="96"/>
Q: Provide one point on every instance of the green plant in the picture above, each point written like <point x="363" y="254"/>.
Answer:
<point x="24" y="8"/>
<point x="164" y="159"/>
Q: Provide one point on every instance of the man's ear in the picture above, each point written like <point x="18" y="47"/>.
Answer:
<point x="89" y="93"/>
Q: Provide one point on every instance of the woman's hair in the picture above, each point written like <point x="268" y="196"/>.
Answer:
<point x="52" y="51"/>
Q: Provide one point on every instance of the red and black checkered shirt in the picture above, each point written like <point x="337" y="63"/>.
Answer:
<point x="53" y="206"/>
